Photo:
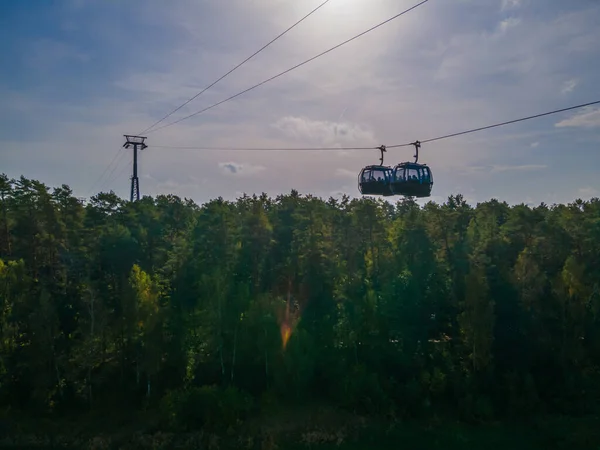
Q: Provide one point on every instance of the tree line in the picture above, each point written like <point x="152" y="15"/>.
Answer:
<point x="207" y="312"/>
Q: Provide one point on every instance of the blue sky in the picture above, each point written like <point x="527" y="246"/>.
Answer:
<point x="78" y="74"/>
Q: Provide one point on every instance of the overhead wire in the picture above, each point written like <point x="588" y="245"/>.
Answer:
<point x="291" y="68"/>
<point x="262" y="148"/>
<point x="104" y="173"/>
<point x="118" y="174"/>
<point x="447" y="136"/>
<point x="238" y="66"/>
<point x="206" y="88"/>
<point x="110" y="178"/>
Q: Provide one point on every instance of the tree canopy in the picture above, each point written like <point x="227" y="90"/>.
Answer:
<point x="207" y="311"/>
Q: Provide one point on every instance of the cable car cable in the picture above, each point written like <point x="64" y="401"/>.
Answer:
<point x="236" y="67"/>
<point x="105" y="171"/>
<point x="378" y="147"/>
<point x="119" y="174"/>
<point x="416" y="143"/>
<point x="290" y="69"/>
<point x="112" y="176"/>
<point x="496" y="125"/>
<point x="262" y="149"/>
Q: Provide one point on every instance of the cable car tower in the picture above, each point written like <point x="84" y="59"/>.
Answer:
<point x="135" y="142"/>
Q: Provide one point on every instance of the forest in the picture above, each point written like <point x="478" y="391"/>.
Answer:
<point x="201" y="319"/>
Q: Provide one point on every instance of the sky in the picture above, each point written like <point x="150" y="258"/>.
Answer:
<point x="76" y="75"/>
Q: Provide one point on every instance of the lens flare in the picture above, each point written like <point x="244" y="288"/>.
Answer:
<point x="286" y="332"/>
<point x="288" y="320"/>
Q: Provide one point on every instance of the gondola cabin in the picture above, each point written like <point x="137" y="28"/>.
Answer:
<point x="375" y="180"/>
<point x="412" y="180"/>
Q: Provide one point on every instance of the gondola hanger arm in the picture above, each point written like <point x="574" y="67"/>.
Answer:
<point x="382" y="149"/>
<point x="417" y="145"/>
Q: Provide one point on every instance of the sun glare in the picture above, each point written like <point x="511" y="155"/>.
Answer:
<point x="288" y="320"/>
<point x="286" y="332"/>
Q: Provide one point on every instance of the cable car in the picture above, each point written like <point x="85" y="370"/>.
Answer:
<point x="376" y="179"/>
<point x="412" y="179"/>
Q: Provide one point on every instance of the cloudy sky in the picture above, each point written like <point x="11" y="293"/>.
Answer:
<point x="78" y="74"/>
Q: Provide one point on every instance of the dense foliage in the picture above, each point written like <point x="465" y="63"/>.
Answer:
<point x="208" y="312"/>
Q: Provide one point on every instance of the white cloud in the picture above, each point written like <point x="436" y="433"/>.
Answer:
<point x="588" y="191"/>
<point x="345" y="173"/>
<point x="534" y="57"/>
<point x="523" y="167"/>
<point x="440" y="69"/>
<point x="171" y="185"/>
<point x="344" y="190"/>
<point x="535" y="144"/>
<point x="590" y="118"/>
<point x="508" y="23"/>
<point x="325" y="133"/>
<point x="510" y="4"/>
<point x="240" y="169"/>
<point x="495" y="168"/>
<point x="569" y="86"/>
